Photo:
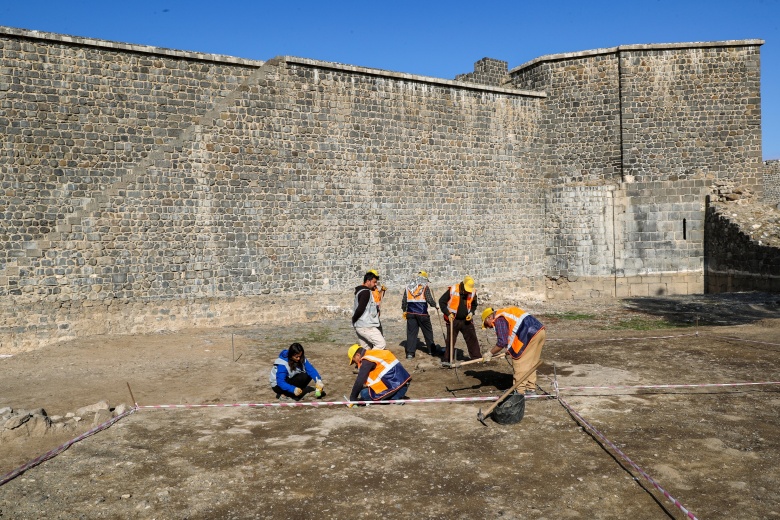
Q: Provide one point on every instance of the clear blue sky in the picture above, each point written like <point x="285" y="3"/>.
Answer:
<point x="439" y="39"/>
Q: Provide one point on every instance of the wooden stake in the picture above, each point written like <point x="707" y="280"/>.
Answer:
<point x="131" y="395"/>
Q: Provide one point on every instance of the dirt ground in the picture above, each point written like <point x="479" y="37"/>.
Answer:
<point x="715" y="449"/>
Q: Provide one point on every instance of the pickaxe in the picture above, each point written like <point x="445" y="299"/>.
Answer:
<point x="481" y="417"/>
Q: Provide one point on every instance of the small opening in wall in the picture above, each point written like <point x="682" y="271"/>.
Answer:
<point x="685" y="229"/>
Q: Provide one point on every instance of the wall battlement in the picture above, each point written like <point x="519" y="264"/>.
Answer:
<point x="146" y="189"/>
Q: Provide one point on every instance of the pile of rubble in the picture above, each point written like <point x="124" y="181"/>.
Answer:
<point x="760" y="221"/>
<point x="19" y="423"/>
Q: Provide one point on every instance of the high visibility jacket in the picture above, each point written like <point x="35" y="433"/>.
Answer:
<point x="454" y="302"/>
<point x="370" y="316"/>
<point x="387" y="376"/>
<point x="522" y="328"/>
<point x="415" y="299"/>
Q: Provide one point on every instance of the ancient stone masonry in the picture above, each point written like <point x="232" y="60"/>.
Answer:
<point x="735" y="261"/>
<point x="657" y="123"/>
<point x="487" y="71"/>
<point x="145" y="189"/>
<point x="772" y="181"/>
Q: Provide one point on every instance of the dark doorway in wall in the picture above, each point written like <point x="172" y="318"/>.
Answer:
<point x="685" y="229"/>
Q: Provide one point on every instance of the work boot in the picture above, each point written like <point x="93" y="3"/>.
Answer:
<point x="410" y="356"/>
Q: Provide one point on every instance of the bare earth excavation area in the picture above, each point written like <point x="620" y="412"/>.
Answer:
<point x="714" y="449"/>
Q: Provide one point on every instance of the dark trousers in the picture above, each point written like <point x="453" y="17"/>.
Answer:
<point x="415" y="322"/>
<point x="466" y="328"/>
<point x="300" y="380"/>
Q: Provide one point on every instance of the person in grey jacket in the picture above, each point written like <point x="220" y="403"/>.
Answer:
<point x="365" y="315"/>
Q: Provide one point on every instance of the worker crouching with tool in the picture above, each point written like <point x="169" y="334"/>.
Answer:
<point x="522" y="335"/>
<point x="292" y="373"/>
<point x="458" y="304"/>
<point x="381" y="377"/>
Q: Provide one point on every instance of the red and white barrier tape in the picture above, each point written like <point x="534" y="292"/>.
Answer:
<point x="741" y="339"/>
<point x="703" y="385"/>
<point x="315" y="404"/>
<point x="59" y="449"/>
<point x="617" y="450"/>
<point x="578" y="340"/>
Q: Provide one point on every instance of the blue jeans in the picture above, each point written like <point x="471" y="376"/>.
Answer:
<point x="398" y="394"/>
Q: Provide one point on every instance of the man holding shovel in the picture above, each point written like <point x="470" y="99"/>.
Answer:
<point x="459" y="304"/>
<point x="522" y="335"/>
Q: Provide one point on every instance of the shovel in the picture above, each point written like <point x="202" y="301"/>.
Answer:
<point x="481" y="417"/>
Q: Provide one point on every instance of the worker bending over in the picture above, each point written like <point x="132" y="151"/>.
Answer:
<point x="522" y="335"/>
<point x="381" y="377"/>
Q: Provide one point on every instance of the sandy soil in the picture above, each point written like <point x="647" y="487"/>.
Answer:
<point x="715" y="449"/>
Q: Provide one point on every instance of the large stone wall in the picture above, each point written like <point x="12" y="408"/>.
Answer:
<point x="147" y="189"/>
<point x="294" y="181"/>
<point x="772" y="181"/>
<point x="735" y="262"/>
<point x="653" y="127"/>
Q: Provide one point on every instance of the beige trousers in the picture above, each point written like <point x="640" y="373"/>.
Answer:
<point x="530" y="356"/>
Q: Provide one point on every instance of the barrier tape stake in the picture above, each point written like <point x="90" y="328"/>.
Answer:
<point x="135" y="403"/>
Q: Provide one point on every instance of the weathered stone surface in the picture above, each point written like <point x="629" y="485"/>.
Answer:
<point x="93" y="408"/>
<point x="101" y="416"/>
<point x="16" y="421"/>
<point x="149" y="191"/>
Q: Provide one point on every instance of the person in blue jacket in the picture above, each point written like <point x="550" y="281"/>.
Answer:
<point x="292" y="372"/>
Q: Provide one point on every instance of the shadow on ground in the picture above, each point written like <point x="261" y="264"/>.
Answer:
<point x="710" y="309"/>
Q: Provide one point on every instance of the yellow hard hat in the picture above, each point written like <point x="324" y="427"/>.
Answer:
<point x="351" y="352"/>
<point x="424" y="274"/>
<point x="485" y="315"/>
<point x="374" y="272"/>
<point x="468" y="284"/>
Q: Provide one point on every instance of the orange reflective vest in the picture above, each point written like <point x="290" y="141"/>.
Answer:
<point x="387" y="376"/>
<point x="377" y="294"/>
<point x="454" y="302"/>
<point x="522" y="328"/>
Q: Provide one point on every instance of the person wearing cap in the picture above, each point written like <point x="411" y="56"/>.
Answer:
<point x="365" y="314"/>
<point x="459" y="304"/>
<point x="381" y="377"/>
<point x="292" y="372"/>
<point x="522" y="335"/>
<point x="417" y="297"/>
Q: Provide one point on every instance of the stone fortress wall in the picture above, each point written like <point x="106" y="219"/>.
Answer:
<point x="772" y="181"/>
<point x="147" y="189"/>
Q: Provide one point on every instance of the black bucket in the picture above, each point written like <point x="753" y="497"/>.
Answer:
<point x="511" y="410"/>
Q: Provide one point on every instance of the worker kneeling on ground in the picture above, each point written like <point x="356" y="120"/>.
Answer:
<point x="291" y="374"/>
<point x="381" y="377"/>
<point x="522" y="335"/>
